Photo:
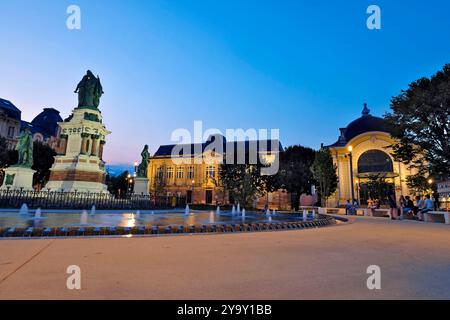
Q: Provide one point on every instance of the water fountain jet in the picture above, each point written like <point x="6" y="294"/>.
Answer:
<point x="84" y="218"/>
<point x="24" y="209"/>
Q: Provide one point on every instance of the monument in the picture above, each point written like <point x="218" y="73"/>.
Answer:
<point x="141" y="181"/>
<point x="79" y="165"/>
<point x="20" y="176"/>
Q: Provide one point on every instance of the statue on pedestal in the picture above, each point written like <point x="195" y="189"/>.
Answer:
<point x="89" y="91"/>
<point x="143" y="167"/>
<point x="25" y="149"/>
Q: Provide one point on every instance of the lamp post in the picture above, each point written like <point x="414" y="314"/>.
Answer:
<point x="193" y="186"/>
<point x="350" y="156"/>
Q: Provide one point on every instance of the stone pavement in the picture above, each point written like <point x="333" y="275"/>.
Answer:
<point x="327" y="263"/>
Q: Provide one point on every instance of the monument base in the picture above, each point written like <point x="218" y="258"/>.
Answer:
<point x="18" y="178"/>
<point x="141" y="186"/>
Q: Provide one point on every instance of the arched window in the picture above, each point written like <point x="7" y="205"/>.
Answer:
<point x="375" y="161"/>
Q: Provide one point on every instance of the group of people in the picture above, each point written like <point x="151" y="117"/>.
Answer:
<point x="409" y="208"/>
<point x="405" y="207"/>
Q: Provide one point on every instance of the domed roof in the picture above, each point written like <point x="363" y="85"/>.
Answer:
<point x="366" y="123"/>
<point x="46" y="122"/>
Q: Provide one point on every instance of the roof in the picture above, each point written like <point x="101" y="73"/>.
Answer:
<point x="45" y="123"/>
<point x="366" y="123"/>
<point x="11" y="110"/>
<point x="199" y="148"/>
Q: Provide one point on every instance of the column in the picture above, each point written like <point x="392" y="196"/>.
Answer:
<point x="84" y="138"/>
<point x="100" y="149"/>
<point x="62" y="147"/>
<point x="95" y="149"/>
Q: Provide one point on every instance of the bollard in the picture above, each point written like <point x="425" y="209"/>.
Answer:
<point x="155" y="230"/>
<point x="192" y="229"/>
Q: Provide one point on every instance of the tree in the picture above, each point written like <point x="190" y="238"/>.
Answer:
<point x="324" y="173"/>
<point x="243" y="182"/>
<point x="377" y="186"/>
<point x="295" y="175"/>
<point x="421" y="115"/>
<point x="43" y="159"/>
<point x="118" y="185"/>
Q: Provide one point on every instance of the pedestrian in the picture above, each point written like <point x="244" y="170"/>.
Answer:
<point x="392" y="204"/>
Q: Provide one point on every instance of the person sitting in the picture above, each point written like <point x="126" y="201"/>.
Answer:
<point x="408" y="207"/>
<point x="419" y="205"/>
<point x="348" y="207"/>
<point x="428" y="206"/>
<point x="371" y="206"/>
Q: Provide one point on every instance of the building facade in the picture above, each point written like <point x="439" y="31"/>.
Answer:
<point x="443" y="190"/>
<point x="44" y="127"/>
<point x="9" y="122"/>
<point x="365" y="166"/>
<point x="189" y="174"/>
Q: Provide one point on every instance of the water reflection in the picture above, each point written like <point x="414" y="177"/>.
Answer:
<point x="130" y="219"/>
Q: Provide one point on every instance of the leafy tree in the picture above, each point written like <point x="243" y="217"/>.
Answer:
<point x="418" y="183"/>
<point x="324" y="173"/>
<point x="377" y="186"/>
<point x="118" y="185"/>
<point x="421" y="115"/>
<point x="295" y="175"/>
<point x="43" y="159"/>
<point x="160" y="182"/>
<point x="243" y="182"/>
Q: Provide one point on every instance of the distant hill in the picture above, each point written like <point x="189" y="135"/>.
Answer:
<point x="117" y="169"/>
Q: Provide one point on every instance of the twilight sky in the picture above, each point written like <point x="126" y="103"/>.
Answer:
<point x="304" y="67"/>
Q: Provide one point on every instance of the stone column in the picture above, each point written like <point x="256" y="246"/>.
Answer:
<point x="95" y="148"/>
<point x="100" y="149"/>
<point x="62" y="148"/>
<point x="84" y="137"/>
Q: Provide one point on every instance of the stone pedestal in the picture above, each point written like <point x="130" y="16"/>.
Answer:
<point x="79" y="165"/>
<point x="141" y="186"/>
<point x="18" y="178"/>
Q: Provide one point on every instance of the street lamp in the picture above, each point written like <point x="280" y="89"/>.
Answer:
<point x="350" y="155"/>
<point x="192" y="196"/>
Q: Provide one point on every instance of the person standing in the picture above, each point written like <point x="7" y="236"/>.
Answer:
<point x="392" y="204"/>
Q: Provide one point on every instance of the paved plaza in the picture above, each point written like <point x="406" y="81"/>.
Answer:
<point x="327" y="263"/>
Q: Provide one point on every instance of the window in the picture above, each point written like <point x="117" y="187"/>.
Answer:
<point x="375" y="161"/>
<point x="11" y="132"/>
<point x="210" y="172"/>
<point x="169" y="173"/>
<point x="180" y="172"/>
<point x="190" y="173"/>
<point x="160" y="172"/>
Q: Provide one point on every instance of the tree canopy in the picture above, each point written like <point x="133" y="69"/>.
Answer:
<point x="421" y="115"/>
<point x="324" y="173"/>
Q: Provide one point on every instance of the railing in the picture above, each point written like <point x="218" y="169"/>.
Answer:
<point x="85" y="200"/>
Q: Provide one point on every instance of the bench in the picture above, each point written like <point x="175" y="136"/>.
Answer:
<point x="436" y="216"/>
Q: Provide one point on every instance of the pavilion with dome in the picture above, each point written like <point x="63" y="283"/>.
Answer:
<point x="365" y="166"/>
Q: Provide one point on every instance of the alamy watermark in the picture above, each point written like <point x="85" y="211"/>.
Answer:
<point x="74" y="280"/>
<point x="73" y="21"/>
<point x="236" y="146"/>
<point x="374" y="20"/>
<point x="374" y="280"/>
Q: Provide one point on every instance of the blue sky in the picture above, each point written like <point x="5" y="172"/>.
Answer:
<point x="305" y="67"/>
